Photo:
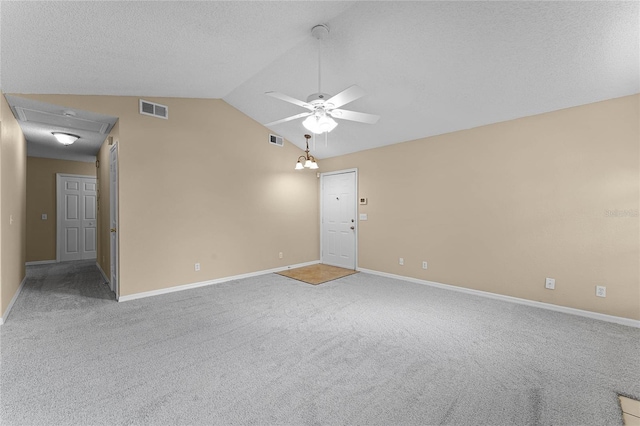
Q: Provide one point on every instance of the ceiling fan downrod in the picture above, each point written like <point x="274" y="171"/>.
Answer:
<point x="320" y="32"/>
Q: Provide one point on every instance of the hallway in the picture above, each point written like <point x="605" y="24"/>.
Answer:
<point x="68" y="286"/>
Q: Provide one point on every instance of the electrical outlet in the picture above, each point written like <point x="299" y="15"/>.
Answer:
<point x="550" y="283"/>
<point x="197" y="267"/>
<point x="280" y="255"/>
<point x="424" y="264"/>
<point x="401" y="261"/>
<point x="601" y="291"/>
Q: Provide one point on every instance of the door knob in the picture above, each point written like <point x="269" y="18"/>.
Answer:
<point x="113" y="229"/>
<point x="353" y="227"/>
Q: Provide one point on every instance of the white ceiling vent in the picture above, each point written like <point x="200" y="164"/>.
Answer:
<point x="276" y="140"/>
<point x="153" y="109"/>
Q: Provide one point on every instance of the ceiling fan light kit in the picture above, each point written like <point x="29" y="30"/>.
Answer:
<point x="323" y="108"/>
<point x="319" y="124"/>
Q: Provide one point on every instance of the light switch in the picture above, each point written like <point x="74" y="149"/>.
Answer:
<point x="44" y="216"/>
<point x="363" y="216"/>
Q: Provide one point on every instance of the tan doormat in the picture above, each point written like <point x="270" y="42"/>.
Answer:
<point x="317" y="274"/>
<point x="630" y="411"/>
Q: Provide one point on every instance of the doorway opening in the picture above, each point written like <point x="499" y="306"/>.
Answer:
<point x="68" y="204"/>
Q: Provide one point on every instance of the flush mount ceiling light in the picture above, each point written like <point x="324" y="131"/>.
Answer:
<point x="306" y="161"/>
<point x="323" y="108"/>
<point x="65" y="138"/>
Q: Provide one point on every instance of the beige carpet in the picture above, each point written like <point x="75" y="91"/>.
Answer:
<point x="317" y="274"/>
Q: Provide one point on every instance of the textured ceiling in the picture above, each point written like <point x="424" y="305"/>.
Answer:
<point x="428" y="67"/>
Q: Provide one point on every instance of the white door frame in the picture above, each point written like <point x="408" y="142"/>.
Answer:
<point x="355" y="201"/>
<point x="59" y="207"/>
<point x="114" y="247"/>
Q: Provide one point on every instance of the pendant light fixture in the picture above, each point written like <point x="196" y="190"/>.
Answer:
<point x="306" y="161"/>
<point x="65" y="138"/>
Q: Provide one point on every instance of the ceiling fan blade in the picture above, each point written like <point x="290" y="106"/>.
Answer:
<point x="289" y="99"/>
<point x="293" y="117"/>
<point x="349" y="94"/>
<point x="354" y="116"/>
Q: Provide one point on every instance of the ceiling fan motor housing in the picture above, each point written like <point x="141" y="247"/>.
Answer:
<point x="318" y="98"/>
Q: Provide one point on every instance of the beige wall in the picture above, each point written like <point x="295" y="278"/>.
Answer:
<point x="496" y="208"/>
<point x="41" y="198"/>
<point x="204" y="186"/>
<point x="104" y="242"/>
<point x="12" y="205"/>
<point x="499" y="208"/>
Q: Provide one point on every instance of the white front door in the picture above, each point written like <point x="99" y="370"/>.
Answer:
<point x="77" y="217"/>
<point x="338" y="227"/>
<point x="113" y="216"/>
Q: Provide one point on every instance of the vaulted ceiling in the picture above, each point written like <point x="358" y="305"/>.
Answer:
<point x="427" y="67"/>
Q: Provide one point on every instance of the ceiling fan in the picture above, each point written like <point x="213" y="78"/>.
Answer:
<point x="323" y="108"/>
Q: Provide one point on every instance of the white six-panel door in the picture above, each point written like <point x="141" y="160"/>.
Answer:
<point x="77" y="217"/>
<point x="338" y="231"/>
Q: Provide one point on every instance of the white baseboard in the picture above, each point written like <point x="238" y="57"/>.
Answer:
<point x="210" y="282"/>
<point x="40" y="262"/>
<point x="106" y="279"/>
<point x="594" y="315"/>
<point x="4" y="317"/>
